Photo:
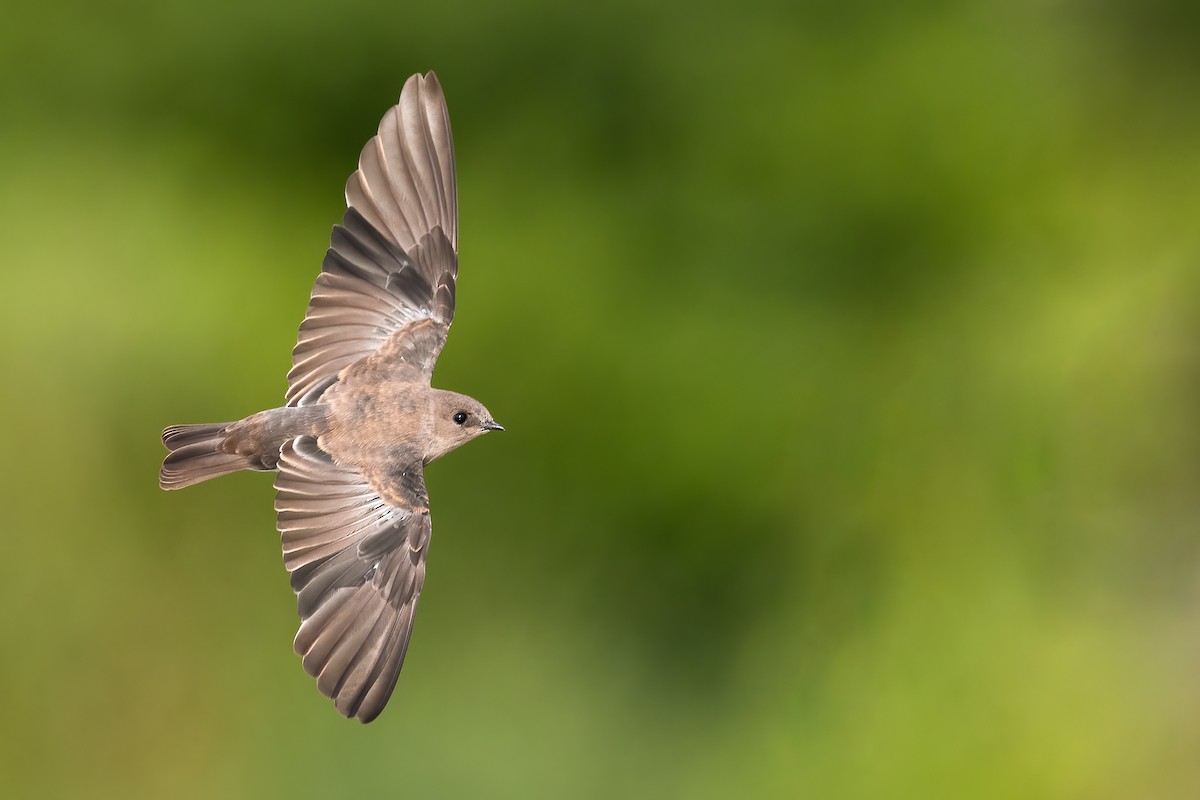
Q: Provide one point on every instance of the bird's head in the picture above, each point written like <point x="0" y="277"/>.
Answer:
<point x="457" y="419"/>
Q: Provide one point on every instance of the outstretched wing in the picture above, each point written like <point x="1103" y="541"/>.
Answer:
<point x="389" y="275"/>
<point x="355" y="545"/>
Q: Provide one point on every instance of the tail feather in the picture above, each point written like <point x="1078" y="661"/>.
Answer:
<point x="197" y="455"/>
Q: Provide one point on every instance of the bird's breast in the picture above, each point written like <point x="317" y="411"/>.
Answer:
<point x="371" y="424"/>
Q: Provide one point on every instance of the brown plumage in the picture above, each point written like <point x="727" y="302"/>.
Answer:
<point x="361" y="419"/>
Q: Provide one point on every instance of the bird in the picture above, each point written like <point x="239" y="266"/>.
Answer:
<point x="361" y="419"/>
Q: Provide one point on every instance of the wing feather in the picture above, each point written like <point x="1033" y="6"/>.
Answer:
<point x="357" y="564"/>
<point x="393" y="261"/>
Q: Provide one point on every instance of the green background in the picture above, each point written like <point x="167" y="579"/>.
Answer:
<point x="849" y="354"/>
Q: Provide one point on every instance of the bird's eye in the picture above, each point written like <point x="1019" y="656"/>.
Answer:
<point x="460" y="418"/>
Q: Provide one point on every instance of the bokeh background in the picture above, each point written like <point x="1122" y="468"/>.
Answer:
<point x="849" y="353"/>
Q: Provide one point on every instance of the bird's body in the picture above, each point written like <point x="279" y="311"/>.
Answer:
<point x="361" y="419"/>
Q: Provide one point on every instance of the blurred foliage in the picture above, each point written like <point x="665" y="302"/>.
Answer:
<point x="849" y="354"/>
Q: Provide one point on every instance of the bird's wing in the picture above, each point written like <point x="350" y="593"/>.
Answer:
<point x="389" y="275"/>
<point x="355" y="544"/>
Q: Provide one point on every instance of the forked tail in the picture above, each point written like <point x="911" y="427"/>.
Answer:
<point x="197" y="455"/>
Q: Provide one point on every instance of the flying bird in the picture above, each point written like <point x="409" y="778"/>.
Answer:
<point x="361" y="419"/>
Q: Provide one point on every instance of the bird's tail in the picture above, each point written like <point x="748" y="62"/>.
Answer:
<point x="197" y="454"/>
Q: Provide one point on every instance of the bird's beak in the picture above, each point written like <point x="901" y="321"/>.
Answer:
<point x="492" y="425"/>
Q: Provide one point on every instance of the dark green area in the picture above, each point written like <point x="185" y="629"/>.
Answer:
<point x="849" y="355"/>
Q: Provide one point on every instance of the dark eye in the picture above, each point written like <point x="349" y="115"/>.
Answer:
<point x="460" y="418"/>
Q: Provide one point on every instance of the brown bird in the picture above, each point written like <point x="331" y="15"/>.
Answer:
<point x="361" y="419"/>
